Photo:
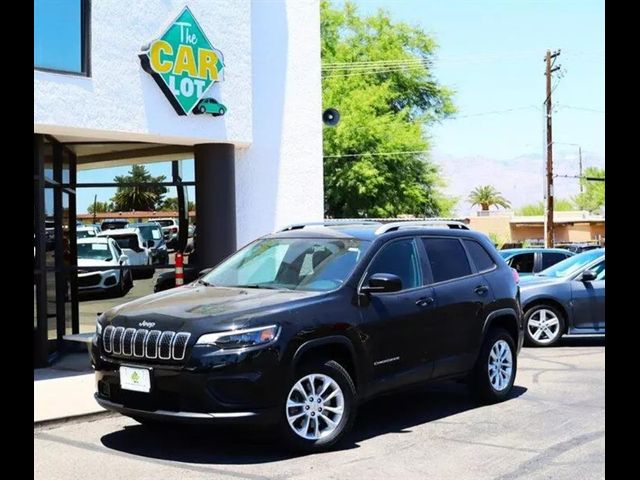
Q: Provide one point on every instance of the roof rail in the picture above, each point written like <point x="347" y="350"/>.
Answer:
<point x="327" y="223"/>
<point x="391" y="227"/>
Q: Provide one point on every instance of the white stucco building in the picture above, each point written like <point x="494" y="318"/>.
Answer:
<point x="258" y="166"/>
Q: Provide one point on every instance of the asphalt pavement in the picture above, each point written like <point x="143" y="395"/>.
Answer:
<point x="552" y="427"/>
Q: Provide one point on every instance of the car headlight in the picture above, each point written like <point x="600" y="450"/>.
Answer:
<point x="237" y="339"/>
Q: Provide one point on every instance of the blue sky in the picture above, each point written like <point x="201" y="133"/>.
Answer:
<point x="491" y="54"/>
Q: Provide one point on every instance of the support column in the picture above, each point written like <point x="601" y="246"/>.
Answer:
<point x="215" y="202"/>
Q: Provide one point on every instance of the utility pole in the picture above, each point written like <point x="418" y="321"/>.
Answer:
<point x="580" y="160"/>
<point x="95" y="202"/>
<point x="550" y="68"/>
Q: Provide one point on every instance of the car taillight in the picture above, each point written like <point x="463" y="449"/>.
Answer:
<point x="516" y="275"/>
<point x="174" y="229"/>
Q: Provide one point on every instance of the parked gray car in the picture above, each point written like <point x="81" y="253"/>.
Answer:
<point x="565" y="299"/>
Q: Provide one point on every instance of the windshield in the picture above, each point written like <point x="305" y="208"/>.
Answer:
<point x="310" y="264"/>
<point x="85" y="233"/>
<point x="94" y="251"/>
<point x="129" y="241"/>
<point x="150" y="232"/>
<point x="165" y="223"/>
<point x="571" y="265"/>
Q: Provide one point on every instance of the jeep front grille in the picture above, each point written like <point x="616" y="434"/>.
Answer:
<point x="142" y="343"/>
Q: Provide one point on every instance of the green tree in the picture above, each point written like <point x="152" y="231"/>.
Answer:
<point x="100" y="207"/>
<point x="592" y="197"/>
<point x="485" y="196"/>
<point x="383" y="109"/>
<point x="559" y="205"/>
<point x="171" y="203"/>
<point x="133" y="196"/>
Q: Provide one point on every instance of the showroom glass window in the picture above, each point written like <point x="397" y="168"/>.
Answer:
<point x="61" y="36"/>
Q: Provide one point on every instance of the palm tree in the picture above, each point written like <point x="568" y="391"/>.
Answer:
<point x="138" y="190"/>
<point x="487" y="195"/>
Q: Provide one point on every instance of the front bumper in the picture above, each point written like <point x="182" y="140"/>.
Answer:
<point x="207" y="388"/>
<point x="98" y="280"/>
<point x="268" y="416"/>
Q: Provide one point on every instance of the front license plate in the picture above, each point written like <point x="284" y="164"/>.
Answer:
<point x="136" y="379"/>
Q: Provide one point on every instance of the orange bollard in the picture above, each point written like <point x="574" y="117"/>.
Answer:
<point x="179" y="269"/>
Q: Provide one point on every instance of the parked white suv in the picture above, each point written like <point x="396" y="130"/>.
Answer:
<point x="105" y="253"/>
<point x="169" y="230"/>
<point x="86" y="231"/>
<point x="132" y="243"/>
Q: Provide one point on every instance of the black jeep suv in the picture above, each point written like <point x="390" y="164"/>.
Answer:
<point x="299" y="327"/>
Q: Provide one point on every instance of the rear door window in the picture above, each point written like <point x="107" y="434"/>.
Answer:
<point x="447" y="258"/>
<point x="522" y="263"/>
<point x="479" y="256"/>
<point x="551" y="258"/>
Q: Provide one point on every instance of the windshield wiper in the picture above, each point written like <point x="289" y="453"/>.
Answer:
<point x="205" y="283"/>
<point x="261" y="285"/>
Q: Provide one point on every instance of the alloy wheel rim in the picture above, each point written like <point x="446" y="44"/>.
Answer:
<point x="500" y="365"/>
<point x="544" y="326"/>
<point x="315" y="406"/>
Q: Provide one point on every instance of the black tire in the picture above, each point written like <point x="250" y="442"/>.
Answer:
<point x="337" y="373"/>
<point x="481" y="387"/>
<point x="120" y="289"/>
<point x="529" y="339"/>
<point x="129" y="280"/>
<point x="223" y="111"/>
<point x="201" y="109"/>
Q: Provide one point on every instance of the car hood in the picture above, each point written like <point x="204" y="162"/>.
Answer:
<point x="92" y="262"/>
<point x="199" y="308"/>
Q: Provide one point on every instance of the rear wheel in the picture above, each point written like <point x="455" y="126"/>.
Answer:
<point x="495" y="369"/>
<point x="544" y="326"/>
<point x="319" y="407"/>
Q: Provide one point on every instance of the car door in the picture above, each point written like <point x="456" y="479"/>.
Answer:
<point x="587" y="300"/>
<point x="461" y="296"/>
<point x="395" y="324"/>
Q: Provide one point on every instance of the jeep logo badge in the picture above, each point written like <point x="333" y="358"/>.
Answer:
<point x="147" y="324"/>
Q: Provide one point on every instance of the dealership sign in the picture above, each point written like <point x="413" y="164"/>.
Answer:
<point x="183" y="62"/>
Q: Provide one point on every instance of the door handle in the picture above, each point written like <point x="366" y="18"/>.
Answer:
<point x="481" y="289"/>
<point x="424" y="301"/>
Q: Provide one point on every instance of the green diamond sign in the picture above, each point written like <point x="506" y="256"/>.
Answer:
<point x="185" y="65"/>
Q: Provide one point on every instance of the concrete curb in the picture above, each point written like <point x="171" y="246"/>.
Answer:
<point x="72" y="419"/>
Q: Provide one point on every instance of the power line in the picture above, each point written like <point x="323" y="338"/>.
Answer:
<point x="371" y="71"/>
<point x="582" y="108"/>
<point x="399" y="152"/>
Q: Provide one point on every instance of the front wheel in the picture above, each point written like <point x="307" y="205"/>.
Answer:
<point x="543" y="326"/>
<point x="495" y="369"/>
<point x="319" y="407"/>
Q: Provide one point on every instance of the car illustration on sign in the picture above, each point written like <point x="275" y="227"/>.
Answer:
<point x="210" y="105"/>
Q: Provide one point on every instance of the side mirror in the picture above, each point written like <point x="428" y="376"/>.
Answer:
<point x="588" y="276"/>
<point x="382" y="283"/>
<point x="150" y="243"/>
